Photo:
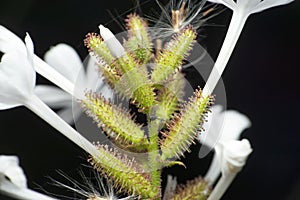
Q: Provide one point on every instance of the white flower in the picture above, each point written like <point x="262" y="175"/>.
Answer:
<point x="9" y="167"/>
<point x="67" y="62"/>
<point x="9" y="42"/>
<point x="242" y="9"/>
<point x="221" y="127"/>
<point x="17" y="77"/>
<point x="232" y="156"/>
<point x="13" y="180"/>
<point x="17" y="81"/>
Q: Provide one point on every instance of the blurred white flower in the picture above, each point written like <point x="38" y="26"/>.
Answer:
<point x="17" y="82"/>
<point x="9" y="42"/>
<point x="13" y="181"/>
<point x="64" y="59"/>
<point x="242" y="9"/>
<point x="9" y="167"/>
<point x="17" y="77"/>
<point x="221" y="127"/>
<point x="233" y="156"/>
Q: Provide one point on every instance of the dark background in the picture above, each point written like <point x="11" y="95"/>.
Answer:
<point x="261" y="81"/>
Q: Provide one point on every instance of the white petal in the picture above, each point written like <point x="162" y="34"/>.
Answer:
<point x="115" y="47"/>
<point x="9" y="41"/>
<point x="226" y="125"/>
<point x="7" y="104"/>
<point x="17" y="79"/>
<point x="234" y="155"/>
<point x="29" y="48"/>
<point x="9" y="167"/>
<point x="65" y="60"/>
<point x="234" y="124"/>
<point x="53" y="96"/>
<point x="30" y="53"/>
<point x="266" y="4"/>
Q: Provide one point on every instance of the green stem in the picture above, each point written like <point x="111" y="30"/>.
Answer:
<point x="154" y="156"/>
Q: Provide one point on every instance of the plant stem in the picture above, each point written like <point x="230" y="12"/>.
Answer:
<point x="153" y="151"/>
<point x="235" y="28"/>
<point x="6" y="187"/>
<point x="43" y="111"/>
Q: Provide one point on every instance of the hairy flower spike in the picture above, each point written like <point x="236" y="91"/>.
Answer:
<point x="106" y="61"/>
<point x="111" y="75"/>
<point x="134" y="84"/>
<point x="96" y="45"/>
<point x="184" y="127"/>
<point x="169" y="96"/>
<point x="196" y="189"/>
<point x="139" y="42"/>
<point x="173" y="55"/>
<point x="125" y="173"/>
<point x="116" y="122"/>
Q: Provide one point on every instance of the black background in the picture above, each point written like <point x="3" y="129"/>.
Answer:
<point x="261" y="81"/>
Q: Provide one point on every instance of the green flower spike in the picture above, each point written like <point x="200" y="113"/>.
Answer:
<point x="127" y="175"/>
<point x="184" y="127"/>
<point x="139" y="42"/>
<point x="196" y="189"/>
<point x="116" y="122"/>
<point x="97" y="46"/>
<point x="134" y="84"/>
<point x="171" y="58"/>
<point x="169" y="96"/>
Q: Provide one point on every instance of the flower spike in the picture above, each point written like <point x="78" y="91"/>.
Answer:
<point x="125" y="172"/>
<point x="116" y="122"/>
<point x="176" y="50"/>
<point x="139" y="42"/>
<point x="184" y="127"/>
<point x="196" y="189"/>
